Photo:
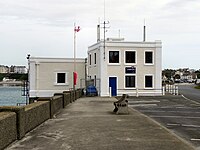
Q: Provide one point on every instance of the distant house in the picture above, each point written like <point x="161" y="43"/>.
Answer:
<point x="51" y="75"/>
<point x="186" y="74"/>
<point x="126" y="67"/>
<point x="18" y="69"/>
<point x="4" y="69"/>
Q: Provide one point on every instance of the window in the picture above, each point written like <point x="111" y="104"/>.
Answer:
<point x="90" y="59"/>
<point x="148" y="57"/>
<point x="113" y="56"/>
<point x="95" y="58"/>
<point x="61" y="78"/>
<point x="129" y="81"/>
<point x="95" y="80"/>
<point x="130" y="56"/>
<point x="149" y="81"/>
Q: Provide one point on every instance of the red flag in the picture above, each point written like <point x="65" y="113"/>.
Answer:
<point x="75" y="78"/>
<point x="77" y="29"/>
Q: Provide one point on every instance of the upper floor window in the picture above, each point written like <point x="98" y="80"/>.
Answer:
<point x="95" y="58"/>
<point x="113" y="56"/>
<point x="148" y="57"/>
<point x="90" y="59"/>
<point x="130" y="57"/>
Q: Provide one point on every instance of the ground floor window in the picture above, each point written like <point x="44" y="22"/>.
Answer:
<point x="129" y="81"/>
<point x="61" y="78"/>
<point x="148" y="81"/>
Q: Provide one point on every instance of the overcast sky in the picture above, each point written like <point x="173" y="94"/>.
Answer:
<point x="45" y="27"/>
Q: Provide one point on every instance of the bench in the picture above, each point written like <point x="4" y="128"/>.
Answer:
<point x="121" y="106"/>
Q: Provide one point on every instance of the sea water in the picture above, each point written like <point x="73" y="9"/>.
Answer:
<point x="11" y="96"/>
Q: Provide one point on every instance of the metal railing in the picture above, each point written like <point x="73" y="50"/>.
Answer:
<point x="140" y="92"/>
<point x="170" y="89"/>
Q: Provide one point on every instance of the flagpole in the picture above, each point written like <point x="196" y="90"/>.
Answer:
<point x="75" y="75"/>
<point x="74" y="86"/>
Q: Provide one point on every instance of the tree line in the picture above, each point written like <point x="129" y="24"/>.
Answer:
<point x="17" y="76"/>
<point x="171" y="73"/>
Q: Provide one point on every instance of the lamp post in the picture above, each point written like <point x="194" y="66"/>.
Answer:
<point x="28" y="81"/>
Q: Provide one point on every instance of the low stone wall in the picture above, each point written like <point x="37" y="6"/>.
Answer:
<point x="55" y="103"/>
<point x="79" y="93"/>
<point x="66" y="98"/>
<point x="35" y="114"/>
<point x="16" y="121"/>
<point x="8" y="129"/>
<point x="20" y="118"/>
<point x="71" y="94"/>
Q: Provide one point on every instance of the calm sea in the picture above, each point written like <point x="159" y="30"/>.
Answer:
<point x="11" y="95"/>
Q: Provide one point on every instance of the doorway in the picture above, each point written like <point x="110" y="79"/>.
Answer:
<point x="113" y="85"/>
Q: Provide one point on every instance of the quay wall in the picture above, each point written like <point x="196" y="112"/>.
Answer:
<point x="16" y="121"/>
<point x="8" y="129"/>
<point x="35" y="114"/>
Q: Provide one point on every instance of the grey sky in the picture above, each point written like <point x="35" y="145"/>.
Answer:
<point x="45" y="27"/>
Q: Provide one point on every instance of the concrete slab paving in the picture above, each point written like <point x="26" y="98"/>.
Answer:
<point x="90" y="124"/>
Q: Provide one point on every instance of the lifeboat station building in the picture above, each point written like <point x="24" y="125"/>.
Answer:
<point x="120" y="67"/>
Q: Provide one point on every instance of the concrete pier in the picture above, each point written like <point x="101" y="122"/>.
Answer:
<point x="90" y="124"/>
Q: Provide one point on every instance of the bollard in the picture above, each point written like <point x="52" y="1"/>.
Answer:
<point x="137" y="93"/>
<point x="163" y="90"/>
<point x="110" y="91"/>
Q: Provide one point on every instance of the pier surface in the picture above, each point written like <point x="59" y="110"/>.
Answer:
<point x="90" y="124"/>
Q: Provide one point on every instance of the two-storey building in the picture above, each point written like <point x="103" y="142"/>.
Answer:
<point x="126" y="67"/>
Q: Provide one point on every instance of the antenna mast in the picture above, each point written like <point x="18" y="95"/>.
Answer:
<point x="104" y="30"/>
<point x="144" y="36"/>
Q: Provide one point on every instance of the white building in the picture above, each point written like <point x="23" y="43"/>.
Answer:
<point x="126" y="67"/>
<point x="186" y="74"/>
<point x="4" y="69"/>
<point x="51" y="75"/>
<point x="18" y="69"/>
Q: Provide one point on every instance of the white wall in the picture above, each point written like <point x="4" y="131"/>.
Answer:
<point x="43" y="75"/>
<point x="107" y="70"/>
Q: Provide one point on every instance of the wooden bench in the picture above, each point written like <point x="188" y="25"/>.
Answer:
<point x="121" y="106"/>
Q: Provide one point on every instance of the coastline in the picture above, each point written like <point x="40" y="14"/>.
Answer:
<point x="11" y="83"/>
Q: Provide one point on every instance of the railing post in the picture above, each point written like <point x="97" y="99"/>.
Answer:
<point x="171" y="89"/>
<point x="176" y="90"/>
<point x="168" y="88"/>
